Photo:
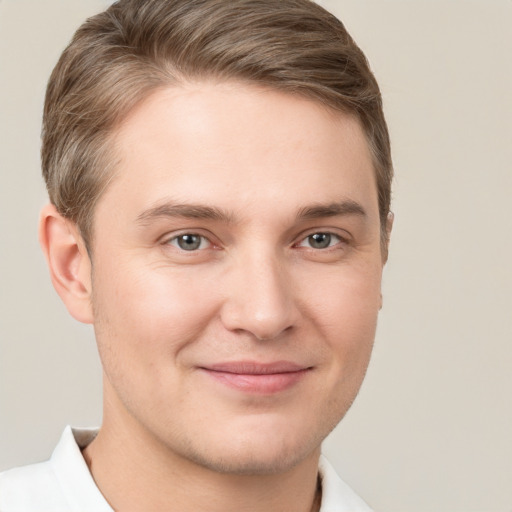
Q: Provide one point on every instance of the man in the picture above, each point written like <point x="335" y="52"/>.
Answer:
<point x="219" y="176"/>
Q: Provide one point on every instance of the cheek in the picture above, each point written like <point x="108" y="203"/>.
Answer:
<point x="150" y="311"/>
<point x="345" y="311"/>
<point x="346" y="299"/>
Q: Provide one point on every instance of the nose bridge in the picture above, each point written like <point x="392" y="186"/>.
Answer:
<point x="260" y="297"/>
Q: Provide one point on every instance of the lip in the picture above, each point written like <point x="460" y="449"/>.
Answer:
<point x="256" y="377"/>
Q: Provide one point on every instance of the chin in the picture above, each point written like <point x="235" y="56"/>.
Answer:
<point x="249" y="462"/>
<point x="258" y="451"/>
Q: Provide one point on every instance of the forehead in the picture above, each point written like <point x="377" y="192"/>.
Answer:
<point x="239" y="144"/>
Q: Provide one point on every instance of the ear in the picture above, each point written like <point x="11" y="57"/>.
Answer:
<point x="389" y="227"/>
<point x="68" y="262"/>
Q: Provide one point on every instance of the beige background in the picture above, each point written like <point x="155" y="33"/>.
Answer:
<point x="432" y="427"/>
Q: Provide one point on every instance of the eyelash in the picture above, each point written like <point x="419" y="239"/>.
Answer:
<point x="330" y="237"/>
<point x="203" y="240"/>
<point x="183" y="236"/>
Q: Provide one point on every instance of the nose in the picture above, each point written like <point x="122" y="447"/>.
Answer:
<point x="260" y="299"/>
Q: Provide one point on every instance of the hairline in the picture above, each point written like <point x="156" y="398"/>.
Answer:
<point x="110" y="157"/>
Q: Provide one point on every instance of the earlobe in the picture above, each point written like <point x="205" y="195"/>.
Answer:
<point x="68" y="262"/>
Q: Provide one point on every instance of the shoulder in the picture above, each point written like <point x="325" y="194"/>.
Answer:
<point x="61" y="484"/>
<point x="337" y="496"/>
<point x="31" y="488"/>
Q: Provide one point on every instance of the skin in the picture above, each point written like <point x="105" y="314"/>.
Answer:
<point x="250" y="175"/>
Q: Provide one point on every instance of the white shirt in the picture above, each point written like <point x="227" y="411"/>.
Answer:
<point x="64" y="483"/>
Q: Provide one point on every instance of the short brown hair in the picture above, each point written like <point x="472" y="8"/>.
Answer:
<point x="118" y="57"/>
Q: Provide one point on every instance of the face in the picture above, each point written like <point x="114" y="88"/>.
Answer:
<point x="236" y="274"/>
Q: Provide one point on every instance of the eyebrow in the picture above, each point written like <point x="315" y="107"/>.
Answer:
<point x="346" y="207"/>
<point x="195" y="211"/>
<point x="185" y="211"/>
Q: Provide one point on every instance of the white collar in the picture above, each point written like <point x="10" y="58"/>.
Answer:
<point x="82" y="493"/>
<point x="72" y="472"/>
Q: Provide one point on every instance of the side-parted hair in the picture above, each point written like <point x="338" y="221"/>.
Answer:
<point x="119" y="57"/>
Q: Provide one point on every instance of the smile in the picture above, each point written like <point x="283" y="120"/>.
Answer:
<point x="258" y="378"/>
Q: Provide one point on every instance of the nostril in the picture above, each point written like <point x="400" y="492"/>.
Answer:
<point x="271" y="336"/>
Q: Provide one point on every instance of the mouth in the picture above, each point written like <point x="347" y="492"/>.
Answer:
<point x="257" y="378"/>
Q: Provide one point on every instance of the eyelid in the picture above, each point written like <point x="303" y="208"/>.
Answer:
<point x="174" y="235"/>
<point x="344" y="237"/>
<point x="201" y="242"/>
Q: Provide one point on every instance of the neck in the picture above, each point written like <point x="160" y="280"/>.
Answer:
<point x="137" y="473"/>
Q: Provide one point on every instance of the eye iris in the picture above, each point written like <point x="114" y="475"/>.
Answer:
<point x="189" y="242"/>
<point x="320" y="240"/>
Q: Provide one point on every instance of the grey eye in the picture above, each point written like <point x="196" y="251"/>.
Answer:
<point x="189" y="242"/>
<point x="320" y="240"/>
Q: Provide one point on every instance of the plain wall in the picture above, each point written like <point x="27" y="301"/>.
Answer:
<point x="432" y="427"/>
